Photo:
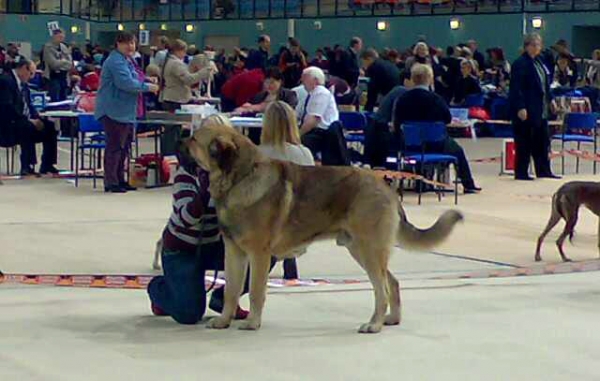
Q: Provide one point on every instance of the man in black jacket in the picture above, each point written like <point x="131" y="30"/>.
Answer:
<point x="20" y="122"/>
<point x="529" y="98"/>
<point x="419" y="104"/>
<point x="351" y="65"/>
<point x="259" y="58"/>
<point x="383" y="77"/>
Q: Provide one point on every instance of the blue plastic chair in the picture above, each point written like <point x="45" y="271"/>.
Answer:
<point x="418" y="135"/>
<point x="89" y="125"/>
<point x="355" y="124"/>
<point x="582" y="122"/>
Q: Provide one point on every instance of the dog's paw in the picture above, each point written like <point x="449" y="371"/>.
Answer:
<point x="567" y="260"/>
<point x="392" y="319"/>
<point x="370" y="328"/>
<point x="538" y="258"/>
<point x="250" y="325"/>
<point x="218" y="323"/>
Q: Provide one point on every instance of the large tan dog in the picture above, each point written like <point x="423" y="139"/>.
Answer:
<point x="268" y="207"/>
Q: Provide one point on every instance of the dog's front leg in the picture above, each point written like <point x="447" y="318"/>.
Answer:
<point x="236" y="264"/>
<point x="259" y="274"/>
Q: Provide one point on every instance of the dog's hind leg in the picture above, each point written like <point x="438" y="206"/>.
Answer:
<point x="236" y="264"/>
<point x="374" y="261"/>
<point x="395" y="315"/>
<point x="571" y="222"/>
<point x="259" y="275"/>
<point x="554" y="219"/>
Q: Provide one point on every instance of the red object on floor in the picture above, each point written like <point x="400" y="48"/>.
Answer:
<point x="157" y="311"/>
<point x="509" y="158"/>
<point x="241" y="314"/>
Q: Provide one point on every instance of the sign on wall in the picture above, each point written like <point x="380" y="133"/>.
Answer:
<point x="144" y="37"/>
<point x="52" y="26"/>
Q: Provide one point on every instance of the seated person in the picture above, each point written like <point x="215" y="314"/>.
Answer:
<point x="272" y="92"/>
<point x="280" y="139"/>
<point x="563" y="74"/>
<point x="320" y="130"/>
<point x="90" y="80"/>
<point x="22" y="121"/>
<point x="419" y="104"/>
<point x="241" y="88"/>
<point x="467" y="84"/>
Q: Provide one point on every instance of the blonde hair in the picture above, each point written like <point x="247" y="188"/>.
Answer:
<point x="216" y="120"/>
<point x="596" y="54"/>
<point x="280" y="126"/>
<point x="152" y="70"/>
<point x="421" y="74"/>
<point x="421" y="45"/>
<point x="177" y="46"/>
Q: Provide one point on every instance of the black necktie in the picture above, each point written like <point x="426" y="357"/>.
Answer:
<point x="25" y="95"/>
<point x="304" y="112"/>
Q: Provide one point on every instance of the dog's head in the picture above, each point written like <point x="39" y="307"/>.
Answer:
<point x="222" y="151"/>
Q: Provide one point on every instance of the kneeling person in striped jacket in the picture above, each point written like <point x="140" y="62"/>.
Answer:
<point x="191" y="245"/>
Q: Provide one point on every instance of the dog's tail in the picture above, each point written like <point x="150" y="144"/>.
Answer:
<point x="411" y="237"/>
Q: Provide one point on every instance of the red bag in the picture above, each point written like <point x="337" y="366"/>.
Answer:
<point x="87" y="102"/>
<point x="479" y="113"/>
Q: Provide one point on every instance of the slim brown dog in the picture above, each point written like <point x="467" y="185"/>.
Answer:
<point x="270" y="207"/>
<point x="565" y="205"/>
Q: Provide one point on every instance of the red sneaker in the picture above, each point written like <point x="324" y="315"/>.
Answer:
<point x="157" y="311"/>
<point x="241" y="314"/>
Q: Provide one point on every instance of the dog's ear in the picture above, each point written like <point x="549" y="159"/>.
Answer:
<point x="224" y="151"/>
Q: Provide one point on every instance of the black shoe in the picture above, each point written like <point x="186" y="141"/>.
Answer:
<point x="472" y="190"/>
<point x="549" y="176"/>
<point x="28" y="172"/>
<point x="523" y="178"/>
<point x="114" y="189"/>
<point x="49" y="170"/>
<point x="127" y="187"/>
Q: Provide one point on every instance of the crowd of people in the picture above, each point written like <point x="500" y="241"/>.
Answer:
<point x="247" y="81"/>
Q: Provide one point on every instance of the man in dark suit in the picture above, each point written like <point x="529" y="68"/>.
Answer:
<point x="351" y="64"/>
<point x="21" y="123"/>
<point x="259" y="58"/>
<point x="529" y="98"/>
<point x="383" y="77"/>
<point x="420" y="104"/>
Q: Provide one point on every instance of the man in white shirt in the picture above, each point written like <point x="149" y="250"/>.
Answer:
<point x="318" y="115"/>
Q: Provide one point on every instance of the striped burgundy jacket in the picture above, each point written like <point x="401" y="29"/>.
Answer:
<point x="193" y="216"/>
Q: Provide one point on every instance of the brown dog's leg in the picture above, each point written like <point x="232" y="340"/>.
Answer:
<point x="554" y="219"/>
<point x="259" y="275"/>
<point x="236" y="264"/>
<point x="374" y="261"/>
<point x="395" y="315"/>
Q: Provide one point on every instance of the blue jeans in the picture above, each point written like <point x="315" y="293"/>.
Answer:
<point x="181" y="292"/>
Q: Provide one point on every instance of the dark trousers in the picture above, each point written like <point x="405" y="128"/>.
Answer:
<point x="118" y="144"/>
<point x="330" y="143"/>
<point x="531" y="140"/>
<point x="378" y="143"/>
<point x="57" y="87"/>
<point x="171" y="134"/>
<point x="29" y="136"/>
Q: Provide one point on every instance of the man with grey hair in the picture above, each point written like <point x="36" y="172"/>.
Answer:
<point x="529" y="99"/>
<point x="318" y="116"/>
<point x="58" y="61"/>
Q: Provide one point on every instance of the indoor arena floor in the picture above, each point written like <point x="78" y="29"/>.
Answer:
<point x="464" y="317"/>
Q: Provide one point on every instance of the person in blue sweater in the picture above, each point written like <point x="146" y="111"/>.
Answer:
<point x="116" y="109"/>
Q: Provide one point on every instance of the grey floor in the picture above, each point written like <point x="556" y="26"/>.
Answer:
<point x="520" y="328"/>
